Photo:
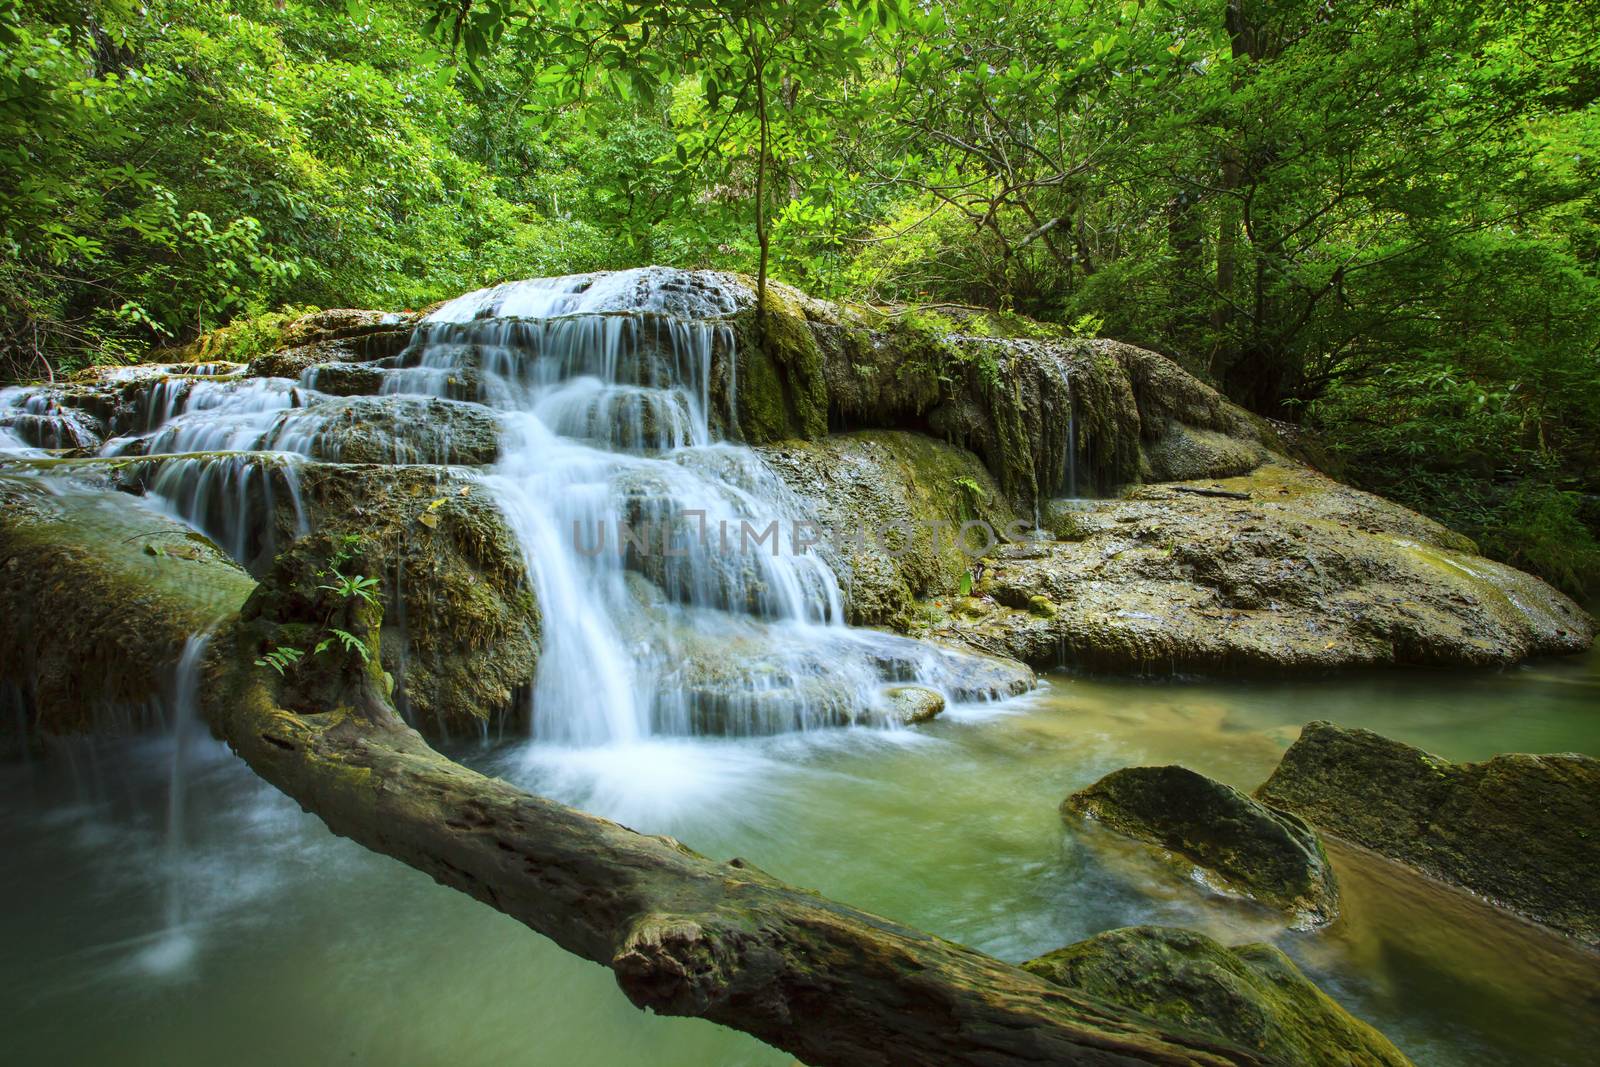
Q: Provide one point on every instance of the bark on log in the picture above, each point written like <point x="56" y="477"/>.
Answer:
<point x="684" y="934"/>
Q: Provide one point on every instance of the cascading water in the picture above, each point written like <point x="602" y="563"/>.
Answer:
<point x="661" y="612"/>
<point x="676" y="586"/>
<point x="174" y="947"/>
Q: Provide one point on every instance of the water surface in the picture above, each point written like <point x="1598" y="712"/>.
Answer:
<point x="263" y="939"/>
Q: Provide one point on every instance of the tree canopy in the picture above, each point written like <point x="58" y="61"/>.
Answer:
<point x="1376" y="220"/>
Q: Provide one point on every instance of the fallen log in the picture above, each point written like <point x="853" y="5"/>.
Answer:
<point x="684" y="934"/>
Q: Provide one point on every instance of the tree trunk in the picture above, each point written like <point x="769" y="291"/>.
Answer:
<point x="686" y="935"/>
<point x="761" y="194"/>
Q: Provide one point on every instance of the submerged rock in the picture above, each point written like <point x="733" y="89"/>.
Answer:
<point x="1250" y="848"/>
<point x="1252" y="995"/>
<point x="1522" y="831"/>
<point x="1282" y="569"/>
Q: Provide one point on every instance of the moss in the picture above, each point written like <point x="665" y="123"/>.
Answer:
<point x="64" y="558"/>
<point x="782" y="391"/>
<point x="246" y="337"/>
<point x="868" y="479"/>
<point x="461" y="623"/>
<point x="1253" y="995"/>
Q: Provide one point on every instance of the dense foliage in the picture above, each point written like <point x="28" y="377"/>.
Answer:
<point x="1377" y="219"/>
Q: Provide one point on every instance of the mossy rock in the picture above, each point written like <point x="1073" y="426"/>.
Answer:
<point x="891" y="481"/>
<point x="1280" y="570"/>
<point x="1183" y="453"/>
<point x="1522" y="831"/>
<point x="99" y="596"/>
<point x="392" y="429"/>
<point x="781" y="391"/>
<point x="1252" y="995"/>
<point x="1249" y="848"/>
<point x="910" y="704"/>
<point x="461" y="624"/>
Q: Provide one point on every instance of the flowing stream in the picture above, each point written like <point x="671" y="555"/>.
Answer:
<point x="308" y="948"/>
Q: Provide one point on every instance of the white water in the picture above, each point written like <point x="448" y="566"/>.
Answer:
<point x="605" y="388"/>
<point x="175" y="946"/>
<point x="668" y="609"/>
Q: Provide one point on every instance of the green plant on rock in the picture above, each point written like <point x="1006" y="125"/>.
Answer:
<point x="349" y="641"/>
<point x="281" y="659"/>
<point x="347" y="589"/>
<point x="355" y="585"/>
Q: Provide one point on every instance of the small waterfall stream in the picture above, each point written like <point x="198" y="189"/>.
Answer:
<point x="174" y="946"/>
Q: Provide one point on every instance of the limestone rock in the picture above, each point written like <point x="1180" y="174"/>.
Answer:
<point x="911" y="704"/>
<point x="888" y="481"/>
<point x="1522" y="831"/>
<point x="99" y="596"/>
<point x="1253" y="849"/>
<point x="1282" y="569"/>
<point x="392" y="430"/>
<point x="460" y="622"/>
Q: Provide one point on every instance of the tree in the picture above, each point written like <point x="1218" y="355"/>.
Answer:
<point x="752" y="60"/>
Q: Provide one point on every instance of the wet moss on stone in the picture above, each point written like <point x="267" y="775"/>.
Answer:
<point x="1253" y="995"/>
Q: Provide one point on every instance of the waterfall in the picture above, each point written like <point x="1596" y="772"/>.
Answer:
<point x="680" y="588"/>
<point x="1072" y="440"/>
<point x="636" y="523"/>
<point x="175" y="945"/>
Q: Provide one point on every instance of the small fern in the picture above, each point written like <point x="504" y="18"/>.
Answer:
<point x="281" y="659"/>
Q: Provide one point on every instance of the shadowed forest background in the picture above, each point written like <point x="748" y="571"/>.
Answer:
<point x="1375" y="220"/>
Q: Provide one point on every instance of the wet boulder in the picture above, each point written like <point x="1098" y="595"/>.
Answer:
<point x="390" y="430"/>
<point x="344" y="379"/>
<point x="1522" y="831"/>
<point x="1251" y="995"/>
<point x="1243" y="845"/>
<point x="910" y="704"/>
<point x="44" y="418"/>
<point x="99" y="596"/>
<point x="891" y="508"/>
<point x="1279" y="570"/>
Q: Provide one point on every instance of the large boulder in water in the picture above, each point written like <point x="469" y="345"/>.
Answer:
<point x="1280" y="569"/>
<point x="1246" y="846"/>
<point x="1252" y="995"/>
<point x="1522" y="831"/>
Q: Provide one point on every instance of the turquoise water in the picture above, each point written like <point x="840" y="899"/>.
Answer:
<point x="262" y="938"/>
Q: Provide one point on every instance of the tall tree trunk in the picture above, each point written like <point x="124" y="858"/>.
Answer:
<point x="761" y="192"/>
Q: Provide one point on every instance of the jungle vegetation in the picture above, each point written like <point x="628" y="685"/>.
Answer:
<point x="1374" y="220"/>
